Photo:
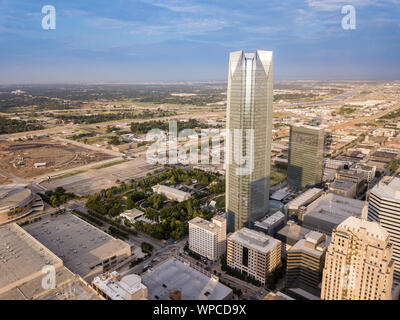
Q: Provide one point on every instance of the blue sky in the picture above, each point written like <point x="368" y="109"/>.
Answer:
<point x="171" y="40"/>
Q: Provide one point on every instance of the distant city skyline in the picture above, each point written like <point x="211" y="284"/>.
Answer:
<point x="153" y="40"/>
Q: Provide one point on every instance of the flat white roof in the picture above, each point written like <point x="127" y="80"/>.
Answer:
<point x="389" y="189"/>
<point x="334" y="208"/>
<point x="117" y="290"/>
<point x="271" y="220"/>
<point x="254" y="239"/>
<point x="176" y="275"/>
<point x="205" y="224"/>
<point x="177" y="192"/>
<point x="21" y="256"/>
<point x="80" y="245"/>
<point x="132" y="213"/>
<point x="304" y="198"/>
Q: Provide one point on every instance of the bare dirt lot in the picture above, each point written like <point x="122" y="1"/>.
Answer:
<point x="19" y="157"/>
<point x="94" y="180"/>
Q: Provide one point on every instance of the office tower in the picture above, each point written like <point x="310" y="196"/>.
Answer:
<point x="253" y="253"/>
<point x="249" y="133"/>
<point x="305" y="262"/>
<point x="358" y="264"/>
<point x="306" y="156"/>
<point x="384" y="207"/>
<point x="206" y="238"/>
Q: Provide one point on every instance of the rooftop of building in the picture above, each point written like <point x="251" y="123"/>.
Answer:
<point x="307" y="126"/>
<point x="388" y="188"/>
<point x="173" y="274"/>
<point x="12" y="196"/>
<point x="254" y="239"/>
<point x="117" y="289"/>
<point x="271" y="220"/>
<point x="277" y="296"/>
<point x="293" y="231"/>
<point x="21" y="256"/>
<point x="163" y="188"/>
<point x="343" y="185"/>
<point x="80" y="245"/>
<point x="373" y="229"/>
<point x="205" y="224"/>
<point x="313" y="243"/>
<point x="132" y="213"/>
<point x="385" y="154"/>
<point x="304" y="197"/>
<point x="334" y="208"/>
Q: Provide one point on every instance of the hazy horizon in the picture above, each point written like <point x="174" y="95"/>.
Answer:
<point x="170" y="41"/>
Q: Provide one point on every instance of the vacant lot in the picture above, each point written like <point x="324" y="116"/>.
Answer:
<point x="19" y="157"/>
<point x="94" y="180"/>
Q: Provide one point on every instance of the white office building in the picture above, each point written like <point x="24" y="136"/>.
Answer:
<point x="206" y="238"/>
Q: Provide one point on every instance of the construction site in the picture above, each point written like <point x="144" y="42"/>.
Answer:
<point x="31" y="158"/>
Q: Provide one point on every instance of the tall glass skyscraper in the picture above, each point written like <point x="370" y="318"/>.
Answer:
<point x="306" y="155"/>
<point x="249" y="131"/>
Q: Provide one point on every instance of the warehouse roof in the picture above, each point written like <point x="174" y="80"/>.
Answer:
<point x="79" y="244"/>
<point x="173" y="274"/>
<point x="21" y="256"/>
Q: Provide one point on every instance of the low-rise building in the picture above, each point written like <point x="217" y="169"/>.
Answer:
<point x="24" y="265"/>
<point x="132" y="215"/>
<point x="325" y="213"/>
<point x="270" y="224"/>
<point x="344" y="188"/>
<point x="116" y="287"/>
<point x="293" y="207"/>
<point x="171" y="193"/>
<point x="84" y="249"/>
<point x="176" y="279"/>
<point x="17" y="201"/>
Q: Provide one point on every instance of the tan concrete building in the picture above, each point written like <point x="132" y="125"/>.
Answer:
<point x="359" y="263"/>
<point x="253" y="253"/>
<point x="30" y="271"/>
<point x="305" y="262"/>
<point x="84" y="249"/>
<point x="208" y="238"/>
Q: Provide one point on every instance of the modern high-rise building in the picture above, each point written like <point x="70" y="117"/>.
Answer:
<point x="208" y="238"/>
<point x="358" y="263"/>
<point x="384" y="206"/>
<point x="306" y="155"/>
<point x="305" y="262"/>
<point x="253" y="253"/>
<point x="249" y="134"/>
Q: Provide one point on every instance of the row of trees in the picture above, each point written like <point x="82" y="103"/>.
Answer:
<point x="13" y="126"/>
<point x="57" y="197"/>
<point x="145" y="127"/>
<point x="105" y="117"/>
